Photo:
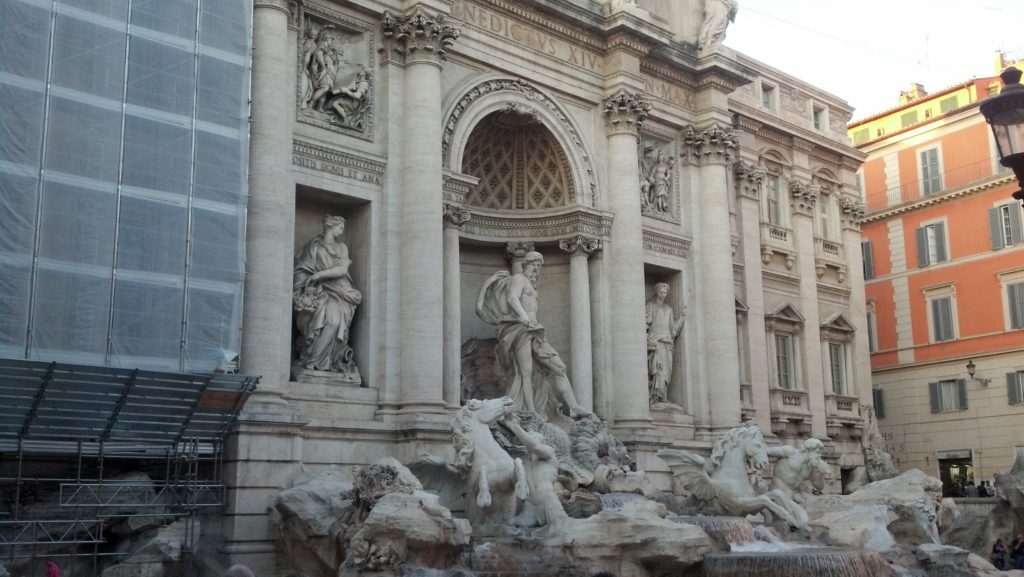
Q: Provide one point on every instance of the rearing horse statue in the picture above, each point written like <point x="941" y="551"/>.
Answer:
<point x="723" y="477"/>
<point x="494" y="479"/>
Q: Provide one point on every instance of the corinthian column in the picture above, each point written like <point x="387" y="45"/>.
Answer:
<point x="454" y="218"/>
<point x="581" y="370"/>
<point x="710" y="150"/>
<point x="624" y="113"/>
<point x="266" y="341"/>
<point x="419" y="41"/>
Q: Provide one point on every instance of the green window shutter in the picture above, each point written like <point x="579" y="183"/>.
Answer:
<point x="995" y="228"/>
<point x="1013" y="386"/>
<point x="940" y="243"/>
<point x="922" y="246"/>
<point x="933" y="395"/>
<point x="1015" y="296"/>
<point x="961" y="394"/>
<point x="869" y="259"/>
<point x="1015" y="225"/>
<point x="879" y="402"/>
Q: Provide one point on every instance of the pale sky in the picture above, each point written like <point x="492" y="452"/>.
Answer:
<point x="866" y="52"/>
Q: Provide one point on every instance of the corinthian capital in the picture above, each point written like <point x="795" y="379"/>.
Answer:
<point x="804" y="196"/>
<point x="418" y="37"/>
<point x="713" y="145"/>
<point x="748" y="180"/>
<point x="625" y="112"/>
<point x="580" y="245"/>
<point x="455" y="216"/>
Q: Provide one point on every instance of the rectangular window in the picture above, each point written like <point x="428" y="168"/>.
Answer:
<point x="948" y="104"/>
<point x="774" y="186"/>
<point x="837" y="366"/>
<point x="872" y="332"/>
<point x="784" y="361"/>
<point x="1015" y="298"/>
<point x="879" y="402"/>
<point x="942" y="319"/>
<point x="1004" y="225"/>
<point x="818" y="116"/>
<point x="1015" y="387"/>
<point x="768" y="96"/>
<point x="931" y="175"/>
<point x="868" y="259"/>
<point x="931" y="244"/>
<point x="823" y="202"/>
<point x="908" y="119"/>
<point x="948" y="395"/>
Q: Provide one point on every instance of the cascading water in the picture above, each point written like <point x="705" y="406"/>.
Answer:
<point x="615" y="501"/>
<point x="819" y="562"/>
<point x="732" y="530"/>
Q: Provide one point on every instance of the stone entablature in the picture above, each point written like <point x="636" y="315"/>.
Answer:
<point x="549" y="226"/>
<point x="336" y="162"/>
<point x="666" y="244"/>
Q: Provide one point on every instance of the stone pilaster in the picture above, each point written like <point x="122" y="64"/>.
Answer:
<point x="625" y="112"/>
<point x="852" y="211"/>
<point x="266" y="341"/>
<point x="420" y="41"/>
<point x="749" y="182"/>
<point x="581" y="370"/>
<point x="710" y="151"/>
<point x="454" y="218"/>
<point x="803" y="199"/>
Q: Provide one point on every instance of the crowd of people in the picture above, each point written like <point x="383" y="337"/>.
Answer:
<point x="985" y="489"/>
<point x="1009" y="557"/>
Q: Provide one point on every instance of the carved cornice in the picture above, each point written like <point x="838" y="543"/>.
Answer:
<point x="838" y="292"/>
<point x="628" y="42"/>
<point x="713" y="145"/>
<point x="545" y="227"/>
<point x="749" y="125"/>
<point x="803" y="145"/>
<point x="418" y="37"/>
<point x="720" y="79"/>
<point x="829" y="157"/>
<point x="336" y="162"/>
<point x="748" y="180"/>
<point x="780" y="277"/>
<point x="666" y="244"/>
<point x="625" y="112"/>
<point x="668" y="72"/>
<point x="455" y="216"/>
<point x="456" y="186"/>
<point x="804" y="196"/>
<point x="580" y="244"/>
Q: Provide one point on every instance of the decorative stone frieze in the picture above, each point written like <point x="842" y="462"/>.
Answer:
<point x="665" y="244"/>
<point x="749" y="178"/>
<point x="343" y="164"/>
<point x="549" y="227"/>
<point x="712" y="145"/>
<point x="419" y="36"/>
<point x="804" y="196"/>
<point x="580" y="244"/>
<point x="625" y="112"/>
<point x="336" y="60"/>
<point x="455" y="216"/>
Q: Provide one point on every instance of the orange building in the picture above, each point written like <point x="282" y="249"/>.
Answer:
<point x="944" y="280"/>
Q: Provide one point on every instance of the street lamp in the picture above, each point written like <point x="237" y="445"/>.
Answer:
<point x="970" y="373"/>
<point x="1005" y="112"/>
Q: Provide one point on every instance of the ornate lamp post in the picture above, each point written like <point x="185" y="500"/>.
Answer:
<point x="1005" y="113"/>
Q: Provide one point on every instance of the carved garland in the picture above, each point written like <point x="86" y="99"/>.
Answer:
<point x="521" y="87"/>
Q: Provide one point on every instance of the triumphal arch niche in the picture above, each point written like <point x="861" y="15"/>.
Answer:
<point x="521" y="181"/>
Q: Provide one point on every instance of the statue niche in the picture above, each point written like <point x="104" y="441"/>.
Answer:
<point x="335" y="83"/>
<point x="324" y="302"/>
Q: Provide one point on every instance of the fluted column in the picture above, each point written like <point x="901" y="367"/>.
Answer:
<point x="454" y="218"/>
<point x="624" y="113"/>
<point x="266" y="341"/>
<point x="581" y="367"/>
<point x="420" y="41"/>
<point x="710" y="149"/>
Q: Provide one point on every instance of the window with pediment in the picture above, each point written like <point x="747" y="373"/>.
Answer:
<point x="784" y="327"/>
<point x="519" y="163"/>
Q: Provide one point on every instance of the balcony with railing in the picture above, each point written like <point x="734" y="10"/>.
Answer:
<point x="790" y="411"/>
<point x="843" y="418"/>
<point x="952" y="179"/>
<point x="777" y="239"/>
<point x="828" y="254"/>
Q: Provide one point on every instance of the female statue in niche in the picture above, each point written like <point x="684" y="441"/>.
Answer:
<point x="325" y="301"/>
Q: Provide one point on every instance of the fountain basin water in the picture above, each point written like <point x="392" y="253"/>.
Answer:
<point x="729" y="530"/>
<point x="816" y="561"/>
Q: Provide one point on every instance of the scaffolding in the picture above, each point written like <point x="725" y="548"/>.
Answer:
<point x="69" y="434"/>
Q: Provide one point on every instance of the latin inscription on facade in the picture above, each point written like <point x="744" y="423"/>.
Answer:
<point x="668" y="92"/>
<point x="526" y="36"/>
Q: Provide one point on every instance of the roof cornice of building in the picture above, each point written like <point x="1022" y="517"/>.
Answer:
<point x="932" y="96"/>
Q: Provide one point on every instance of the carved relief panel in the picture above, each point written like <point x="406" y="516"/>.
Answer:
<point x="659" y="175"/>
<point x="336" y="72"/>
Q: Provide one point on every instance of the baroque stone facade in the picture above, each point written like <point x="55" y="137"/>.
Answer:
<point x="456" y="143"/>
